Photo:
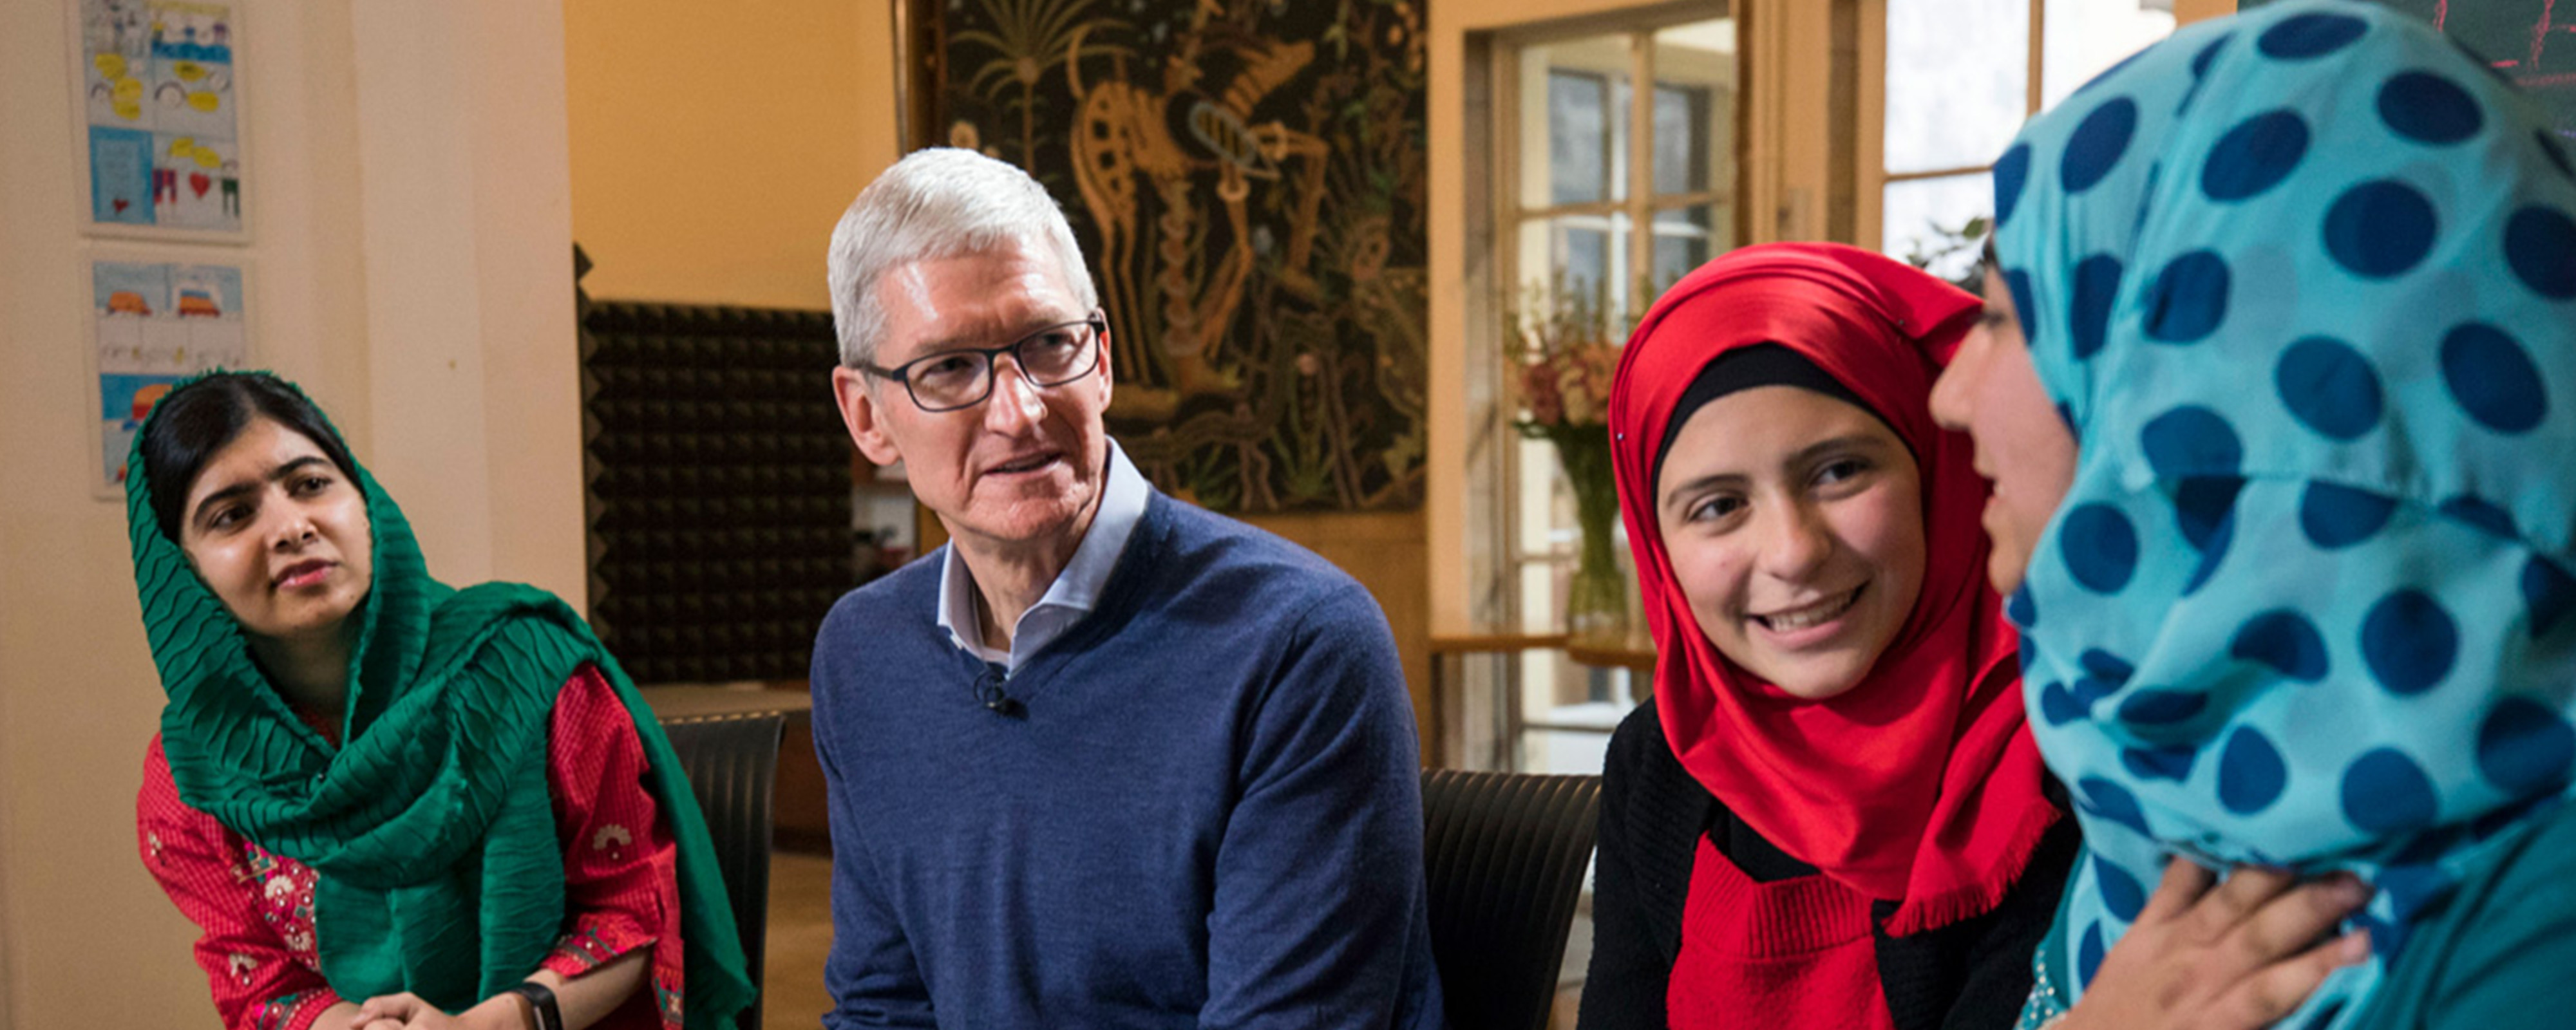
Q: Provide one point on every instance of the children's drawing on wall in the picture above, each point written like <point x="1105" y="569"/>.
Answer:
<point x="156" y="324"/>
<point x="158" y="100"/>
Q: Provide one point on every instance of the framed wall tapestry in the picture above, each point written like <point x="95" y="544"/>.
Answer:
<point x="1247" y="179"/>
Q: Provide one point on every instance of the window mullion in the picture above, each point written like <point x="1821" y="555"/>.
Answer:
<point x="1641" y="167"/>
<point x="1673" y="201"/>
<point x="2038" y="43"/>
<point x="1604" y="209"/>
<point x="1505" y="281"/>
<point x="1936" y="173"/>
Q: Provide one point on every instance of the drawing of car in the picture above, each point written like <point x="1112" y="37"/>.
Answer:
<point x="145" y="398"/>
<point x="127" y="302"/>
<point x="198" y="303"/>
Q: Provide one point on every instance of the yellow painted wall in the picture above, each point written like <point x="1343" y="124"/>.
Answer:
<point x="410" y="235"/>
<point x="715" y="144"/>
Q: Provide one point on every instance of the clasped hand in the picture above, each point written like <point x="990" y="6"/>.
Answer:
<point x="2242" y="955"/>
<point x="408" y="1011"/>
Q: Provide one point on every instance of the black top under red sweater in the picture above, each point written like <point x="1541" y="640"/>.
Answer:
<point x="1969" y="975"/>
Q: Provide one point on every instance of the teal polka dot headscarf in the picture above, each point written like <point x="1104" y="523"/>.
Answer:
<point x="2303" y="281"/>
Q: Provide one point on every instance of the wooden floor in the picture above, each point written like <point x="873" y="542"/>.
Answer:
<point x="800" y="934"/>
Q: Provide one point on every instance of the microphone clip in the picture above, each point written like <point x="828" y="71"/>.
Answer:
<point x="989" y="693"/>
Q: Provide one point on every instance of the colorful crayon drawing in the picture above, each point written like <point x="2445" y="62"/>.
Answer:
<point x="120" y="170"/>
<point x="157" y="88"/>
<point x="124" y="400"/>
<point x="154" y="324"/>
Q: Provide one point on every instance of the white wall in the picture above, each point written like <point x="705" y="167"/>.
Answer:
<point x="410" y="204"/>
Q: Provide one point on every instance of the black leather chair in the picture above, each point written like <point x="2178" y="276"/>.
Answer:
<point x="1505" y="855"/>
<point x="732" y="765"/>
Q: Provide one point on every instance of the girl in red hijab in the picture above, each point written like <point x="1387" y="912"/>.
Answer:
<point x="1830" y="815"/>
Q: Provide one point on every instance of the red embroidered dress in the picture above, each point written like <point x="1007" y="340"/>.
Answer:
<point x="621" y="886"/>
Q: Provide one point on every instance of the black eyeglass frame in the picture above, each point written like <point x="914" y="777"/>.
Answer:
<point x="1098" y="320"/>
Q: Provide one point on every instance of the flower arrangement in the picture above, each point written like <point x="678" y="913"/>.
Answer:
<point x="1567" y="355"/>
<point x="1570" y="385"/>
<point x="1565" y="361"/>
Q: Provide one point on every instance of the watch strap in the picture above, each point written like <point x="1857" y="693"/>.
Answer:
<point x="543" y="1011"/>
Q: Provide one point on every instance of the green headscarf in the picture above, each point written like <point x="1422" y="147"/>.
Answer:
<point x="431" y="830"/>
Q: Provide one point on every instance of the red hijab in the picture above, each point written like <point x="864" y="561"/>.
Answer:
<point x="1920" y="785"/>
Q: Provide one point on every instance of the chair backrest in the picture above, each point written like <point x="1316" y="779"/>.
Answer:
<point x="732" y="765"/>
<point x="1505" y="855"/>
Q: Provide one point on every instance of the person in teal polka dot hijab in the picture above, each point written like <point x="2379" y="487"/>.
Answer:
<point x="2300" y="285"/>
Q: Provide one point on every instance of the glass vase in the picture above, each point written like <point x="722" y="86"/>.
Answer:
<point x="1596" y="596"/>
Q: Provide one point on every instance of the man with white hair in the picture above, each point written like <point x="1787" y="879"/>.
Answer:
<point x="1105" y="759"/>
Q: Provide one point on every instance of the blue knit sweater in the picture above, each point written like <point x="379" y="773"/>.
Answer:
<point x="1207" y="812"/>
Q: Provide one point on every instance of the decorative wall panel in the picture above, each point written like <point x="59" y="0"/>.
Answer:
<point x="1247" y="178"/>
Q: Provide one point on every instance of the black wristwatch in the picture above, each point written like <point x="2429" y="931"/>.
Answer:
<point x="543" y="1012"/>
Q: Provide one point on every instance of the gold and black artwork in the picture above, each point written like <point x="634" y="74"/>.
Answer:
<point x="1247" y="180"/>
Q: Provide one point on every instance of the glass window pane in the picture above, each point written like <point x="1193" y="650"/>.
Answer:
<point x="1681" y="147"/>
<point x="1694" y="141"/>
<point x="1958" y="76"/>
<point x="2084" y="38"/>
<point x="1924" y="222"/>
<point x="1685" y="238"/>
<point x="1537" y="501"/>
<point x="1564" y="752"/>
<point x="1584" y="253"/>
<point x="1538" y="595"/>
<point x="1573" y="108"/>
<point x="1623" y="103"/>
<point x="1578" y="137"/>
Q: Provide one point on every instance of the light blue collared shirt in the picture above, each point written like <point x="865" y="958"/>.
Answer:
<point x="1075" y="590"/>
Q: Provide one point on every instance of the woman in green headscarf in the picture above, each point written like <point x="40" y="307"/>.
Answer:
<point x="386" y="802"/>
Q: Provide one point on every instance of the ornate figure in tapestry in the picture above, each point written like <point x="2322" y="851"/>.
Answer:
<point x="1249" y="176"/>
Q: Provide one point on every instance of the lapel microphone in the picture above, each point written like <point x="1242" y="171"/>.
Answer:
<point x="988" y="690"/>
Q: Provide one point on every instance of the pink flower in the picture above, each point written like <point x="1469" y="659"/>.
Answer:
<point x="1584" y="372"/>
<point x="1601" y="364"/>
<point x="1538" y="388"/>
<point x="1581" y="407"/>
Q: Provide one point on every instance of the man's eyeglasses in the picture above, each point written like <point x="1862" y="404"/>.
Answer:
<point x="962" y="378"/>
